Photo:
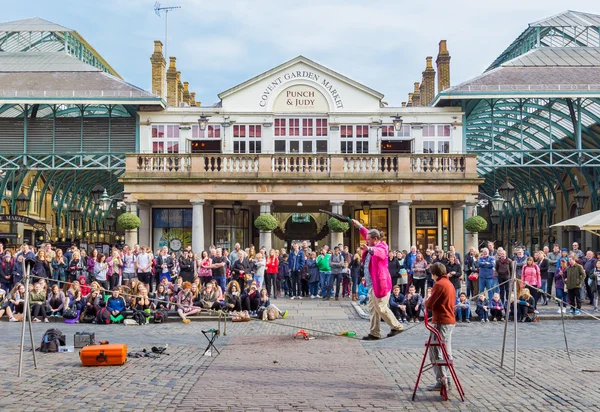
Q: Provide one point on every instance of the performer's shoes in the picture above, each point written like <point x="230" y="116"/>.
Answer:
<point x="394" y="332"/>
<point x="370" y="337"/>
<point x="435" y="387"/>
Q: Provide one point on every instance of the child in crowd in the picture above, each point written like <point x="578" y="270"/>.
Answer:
<point x="463" y="308"/>
<point x="414" y="303"/>
<point x="313" y="275"/>
<point x="482" y="307"/>
<point x="496" y="308"/>
<point x="397" y="304"/>
<point x="265" y="306"/>
<point x="115" y="305"/>
<point x="363" y="292"/>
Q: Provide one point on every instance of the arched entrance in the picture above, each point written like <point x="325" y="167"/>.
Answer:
<point x="301" y="226"/>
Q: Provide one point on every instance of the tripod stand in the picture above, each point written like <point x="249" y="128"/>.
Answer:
<point x="26" y="318"/>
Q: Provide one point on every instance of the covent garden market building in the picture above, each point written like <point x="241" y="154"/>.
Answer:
<point x="518" y="145"/>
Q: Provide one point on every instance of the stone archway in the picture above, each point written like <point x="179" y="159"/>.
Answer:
<point x="301" y="226"/>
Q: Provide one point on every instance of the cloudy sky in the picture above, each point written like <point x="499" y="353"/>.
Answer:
<point x="219" y="44"/>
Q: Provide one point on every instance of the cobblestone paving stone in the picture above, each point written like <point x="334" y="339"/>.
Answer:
<point x="329" y="373"/>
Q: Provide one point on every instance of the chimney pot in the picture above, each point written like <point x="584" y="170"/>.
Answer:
<point x="443" y="48"/>
<point x="429" y="60"/>
<point x="443" y="67"/>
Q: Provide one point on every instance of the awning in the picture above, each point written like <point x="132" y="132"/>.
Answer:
<point x="589" y="222"/>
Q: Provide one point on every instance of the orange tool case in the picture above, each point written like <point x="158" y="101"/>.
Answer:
<point x="103" y="355"/>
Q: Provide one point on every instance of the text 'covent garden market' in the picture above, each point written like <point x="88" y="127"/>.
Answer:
<point x="79" y="146"/>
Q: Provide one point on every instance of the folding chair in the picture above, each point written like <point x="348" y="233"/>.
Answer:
<point x="211" y="335"/>
<point x="435" y="339"/>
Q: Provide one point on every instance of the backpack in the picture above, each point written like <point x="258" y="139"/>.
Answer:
<point x="161" y="316"/>
<point x="103" y="317"/>
<point x="139" y="316"/>
<point x="52" y="339"/>
<point x="70" y="313"/>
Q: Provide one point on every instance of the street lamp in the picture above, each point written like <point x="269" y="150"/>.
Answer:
<point x="507" y="191"/>
<point x="497" y="202"/>
<point x="530" y="211"/>
<point x="23" y="201"/>
<point x="74" y="211"/>
<point x="97" y="192"/>
<point x="366" y="207"/>
<point x="105" y="201"/>
<point x="202" y="122"/>
<point x="495" y="217"/>
<point x="397" y="122"/>
<point x="110" y="220"/>
<point x="581" y="199"/>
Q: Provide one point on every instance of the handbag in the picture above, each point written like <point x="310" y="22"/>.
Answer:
<point x="474" y="276"/>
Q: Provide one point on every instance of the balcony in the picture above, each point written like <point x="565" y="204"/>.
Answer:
<point x="300" y="167"/>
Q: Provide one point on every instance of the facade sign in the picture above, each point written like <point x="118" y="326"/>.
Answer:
<point x="301" y="98"/>
<point x="275" y="84"/>
<point x="18" y="219"/>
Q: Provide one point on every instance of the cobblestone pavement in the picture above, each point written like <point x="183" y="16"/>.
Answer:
<point x="329" y="373"/>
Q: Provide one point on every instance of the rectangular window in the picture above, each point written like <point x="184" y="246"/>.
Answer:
<point x="279" y="146"/>
<point x="387" y="131"/>
<point x="428" y="146"/>
<point x="280" y="129"/>
<point x="443" y="130"/>
<point x="307" y="146"/>
<point x="321" y="146"/>
<point x="321" y="127"/>
<point x="246" y="137"/>
<point x="375" y="219"/>
<point x="354" y="137"/>
<point x="172" y="228"/>
<point x="294" y="127"/>
<point x="443" y="146"/>
<point x="165" y="138"/>
<point x="428" y="131"/>
<point x="212" y="131"/>
<point x="230" y="228"/>
<point x="347" y="147"/>
<point x="307" y="127"/>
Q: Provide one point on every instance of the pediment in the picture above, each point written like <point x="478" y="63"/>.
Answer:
<point x="300" y="85"/>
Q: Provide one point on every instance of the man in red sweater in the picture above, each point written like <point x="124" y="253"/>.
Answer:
<point x="441" y="304"/>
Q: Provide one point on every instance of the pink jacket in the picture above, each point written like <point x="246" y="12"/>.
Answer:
<point x="531" y="275"/>
<point x="378" y="267"/>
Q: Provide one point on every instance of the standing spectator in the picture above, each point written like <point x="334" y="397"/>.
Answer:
<point x="186" y="266"/>
<point x="284" y="273"/>
<point x="338" y="264"/>
<point x="128" y="265"/>
<point x="553" y="258"/>
<point x="504" y="271"/>
<point x="164" y="265"/>
<point x="441" y="304"/>
<point x="240" y="268"/>
<point x="542" y="262"/>
<point x="17" y="269"/>
<point x="115" y="266"/>
<point x="492" y="250"/>
<point x="454" y="272"/>
<point x="589" y="266"/>
<point x="219" y="263"/>
<point x="487" y="265"/>
<point x="419" y="273"/>
<point x="574" y="283"/>
<point x="271" y="272"/>
<point x="204" y="268"/>
<point x="101" y="272"/>
<point x="296" y="263"/>
<point x="355" y="267"/>
<point x="531" y="278"/>
<point x="559" y="279"/>
<point x="313" y="275"/>
<point x="41" y="267"/>
<point x="59" y="267"/>
<point x="408" y="262"/>
<point x="577" y="252"/>
<point x="234" y="255"/>
<point x="470" y="262"/>
<point x="323" y="263"/>
<point x="374" y="257"/>
<point x="260" y="265"/>
<point x="6" y="272"/>
<point x="394" y="267"/>
<point x="595" y="280"/>
<point x="76" y="267"/>
<point x="143" y="265"/>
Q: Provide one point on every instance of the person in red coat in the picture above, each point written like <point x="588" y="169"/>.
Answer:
<point x="379" y="282"/>
<point x="441" y="303"/>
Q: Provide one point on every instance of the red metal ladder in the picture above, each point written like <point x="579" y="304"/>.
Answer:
<point x="436" y="340"/>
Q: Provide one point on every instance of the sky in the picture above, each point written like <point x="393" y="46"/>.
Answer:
<point x="219" y="44"/>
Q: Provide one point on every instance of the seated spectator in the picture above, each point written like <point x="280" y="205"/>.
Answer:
<point x="265" y="306"/>
<point x="250" y="298"/>
<point x="161" y="298"/>
<point x="196" y="294"/>
<point x="85" y="289"/>
<point x="397" y="304"/>
<point x="17" y="301"/>
<point x="115" y="305"/>
<point x="483" y="306"/>
<point x="5" y="306"/>
<point x="56" y="301"/>
<point x="185" y="303"/>
<point x="525" y="307"/>
<point x="76" y="301"/>
<point x="210" y="297"/>
<point x="217" y="288"/>
<point x="414" y="303"/>
<point x="92" y="306"/>
<point x="363" y="292"/>
<point x="496" y="308"/>
<point x="463" y="308"/>
<point x="142" y="302"/>
<point x="233" y="302"/>
<point x="72" y="288"/>
<point x="37" y="303"/>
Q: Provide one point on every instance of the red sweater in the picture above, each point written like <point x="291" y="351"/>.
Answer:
<point x="442" y="302"/>
<point x="272" y="265"/>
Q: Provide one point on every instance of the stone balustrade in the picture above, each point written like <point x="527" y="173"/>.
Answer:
<point x="311" y="166"/>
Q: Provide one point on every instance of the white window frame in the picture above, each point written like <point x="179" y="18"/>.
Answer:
<point x="310" y="131"/>
<point x="245" y="138"/>
<point x="405" y="133"/>
<point x="349" y="135"/>
<point x="169" y="138"/>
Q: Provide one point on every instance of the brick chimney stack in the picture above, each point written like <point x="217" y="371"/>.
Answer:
<point x="443" y="66"/>
<point x="186" y="93"/>
<point x="172" y="82"/>
<point x="179" y="88"/>
<point x="158" y="63"/>
<point x="416" y="100"/>
<point x="403" y="104"/>
<point x="410" y="97"/>
<point x="192" y="98"/>
<point x="429" y="81"/>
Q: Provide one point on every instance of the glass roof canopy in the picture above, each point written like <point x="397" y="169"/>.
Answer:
<point x="535" y="112"/>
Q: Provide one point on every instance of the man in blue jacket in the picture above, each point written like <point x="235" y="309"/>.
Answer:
<point x="296" y="262"/>
<point x="487" y="265"/>
<point x="410" y="258"/>
<point x="115" y="305"/>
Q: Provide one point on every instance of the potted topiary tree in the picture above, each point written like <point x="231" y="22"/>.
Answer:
<point x="130" y="223"/>
<point x="475" y="224"/>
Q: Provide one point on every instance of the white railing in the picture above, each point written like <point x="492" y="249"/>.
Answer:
<point x="300" y="164"/>
<point x="231" y="164"/>
<point x="370" y="164"/>
<point x="427" y="163"/>
<point x="163" y="162"/>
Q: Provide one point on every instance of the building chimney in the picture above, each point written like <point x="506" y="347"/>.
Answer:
<point x="193" y="99"/>
<point x="429" y="81"/>
<point x="443" y="67"/>
<point x="403" y="104"/>
<point x="158" y="63"/>
<point x="416" y="100"/>
<point x="179" y="88"/>
<point x="186" y="93"/>
<point x="172" y="96"/>
<point x="410" y="97"/>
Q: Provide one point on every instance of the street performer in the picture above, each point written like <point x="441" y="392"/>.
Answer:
<point x="379" y="282"/>
<point x="441" y="305"/>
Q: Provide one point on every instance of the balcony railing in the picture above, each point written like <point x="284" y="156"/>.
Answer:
<point x="302" y="166"/>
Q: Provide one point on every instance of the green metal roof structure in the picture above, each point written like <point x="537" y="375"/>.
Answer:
<point x="534" y="115"/>
<point x="65" y="115"/>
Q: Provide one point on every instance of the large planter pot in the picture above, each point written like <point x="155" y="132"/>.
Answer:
<point x="265" y="239"/>
<point x="131" y="237"/>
